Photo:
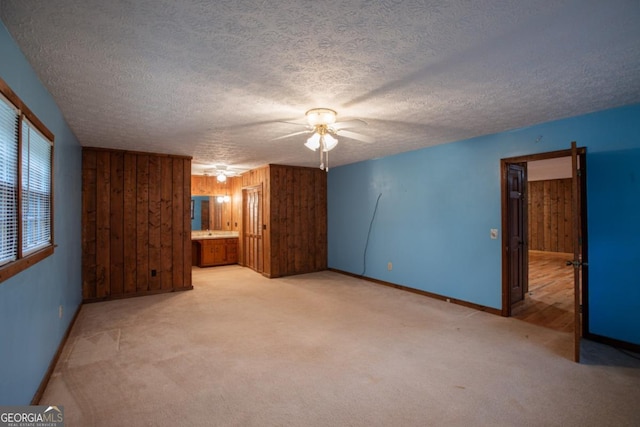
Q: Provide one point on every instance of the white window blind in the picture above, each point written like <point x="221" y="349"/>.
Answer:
<point x="8" y="182"/>
<point x="36" y="189"/>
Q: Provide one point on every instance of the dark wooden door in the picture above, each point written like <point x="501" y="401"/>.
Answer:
<point x="516" y="232"/>
<point x="252" y="226"/>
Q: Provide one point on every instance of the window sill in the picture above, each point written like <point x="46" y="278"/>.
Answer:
<point x="15" y="267"/>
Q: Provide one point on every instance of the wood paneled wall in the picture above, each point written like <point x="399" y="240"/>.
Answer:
<point x="295" y="215"/>
<point x="202" y="185"/>
<point x="550" y="215"/>
<point x="236" y="203"/>
<point x="298" y="217"/>
<point x="136" y="229"/>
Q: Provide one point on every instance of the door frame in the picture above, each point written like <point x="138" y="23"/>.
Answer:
<point x="506" y="296"/>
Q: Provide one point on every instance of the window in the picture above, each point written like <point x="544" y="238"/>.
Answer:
<point x="26" y="165"/>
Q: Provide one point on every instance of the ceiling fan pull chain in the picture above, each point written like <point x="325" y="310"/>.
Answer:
<point x="326" y="156"/>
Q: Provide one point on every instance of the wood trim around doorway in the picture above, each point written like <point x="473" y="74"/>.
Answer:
<point x="506" y="304"/>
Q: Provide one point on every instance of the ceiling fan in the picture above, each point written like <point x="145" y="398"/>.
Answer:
<point x="221" y="172"/>
<point x="322" y="124"/>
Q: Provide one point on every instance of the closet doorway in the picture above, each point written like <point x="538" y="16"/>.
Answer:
<point x="252" y="228"/>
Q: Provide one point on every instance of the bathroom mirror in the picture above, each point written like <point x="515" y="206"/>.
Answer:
<point x="210" y="212"/>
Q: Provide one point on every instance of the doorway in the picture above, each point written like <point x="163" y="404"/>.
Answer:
<point x="544" y="241"/>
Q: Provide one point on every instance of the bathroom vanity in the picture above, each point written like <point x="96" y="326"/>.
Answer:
<point x="210" y="248"/>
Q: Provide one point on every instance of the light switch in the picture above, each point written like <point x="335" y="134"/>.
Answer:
<point x="494" y="233"/>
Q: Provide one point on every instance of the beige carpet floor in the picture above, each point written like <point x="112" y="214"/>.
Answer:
<point x="326" y="349"/>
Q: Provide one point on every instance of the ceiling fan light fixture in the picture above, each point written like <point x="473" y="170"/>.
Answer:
<point x="313" y="143"/>
<point x="329" y="142"/>
<point x="221" y="177"/>
<point x="321" y="116"/>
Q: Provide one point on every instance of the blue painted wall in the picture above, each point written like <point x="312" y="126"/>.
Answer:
<point x="30" y="330"/>
<point x="438" y="205"/>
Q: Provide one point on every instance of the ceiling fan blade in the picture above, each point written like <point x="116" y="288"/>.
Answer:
<point x="298" y="122"/>
<point x="291" y="134"/>
<point x="343" y="124"/>
<point x="356" y="136"/>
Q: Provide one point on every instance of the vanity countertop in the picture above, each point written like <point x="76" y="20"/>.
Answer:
<point x="205" y="235"/>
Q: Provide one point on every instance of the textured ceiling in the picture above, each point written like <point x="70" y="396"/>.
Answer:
<point x="219" y="80"/>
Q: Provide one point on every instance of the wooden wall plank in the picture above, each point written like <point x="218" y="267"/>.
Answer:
<point x="296" y="225"/>
<point x="186" y="224"/>
<point x="166" y="223"/>
<point x="303" y="250"/>
<point x="553" y="226"/>
<point x="155" y="193"/>
<point x="547" y="215"/>
<point x="541" y="221"/>
<point x="263" y="214"/>
<point x="561" y="219"/>
<point x="103" y="198"/>
<point x="320" y="210"/>
<point x="116" y="224"/>
<point x="177" y="205"/>
<point x="89" y="224"/>
<point x="278" y="219"/>
<point x="142" y="221"/>
<point x="236" y="202"/>
<point x="550" y="215"/>
<point x="130" y="233"/>
<point x="568" y="230"/>
<point x="313" y="212"/>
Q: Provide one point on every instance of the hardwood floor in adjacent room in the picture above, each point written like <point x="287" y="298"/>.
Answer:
<point x="549" y="302"/>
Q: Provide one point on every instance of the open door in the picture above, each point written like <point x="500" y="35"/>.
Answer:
<point x="579" y="242"/>
<point x="517" y="229"/>
<point x="515" y="247"/>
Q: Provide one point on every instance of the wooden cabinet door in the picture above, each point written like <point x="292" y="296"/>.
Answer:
<point x="232" y="251"/>
<point x="207" y="254"/>
<point x="219" y="251"/>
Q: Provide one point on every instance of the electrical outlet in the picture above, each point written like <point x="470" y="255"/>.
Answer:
<point x="389" y="266"/>
<point x="60" y="312"/>
<point x="494" y="233"/>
